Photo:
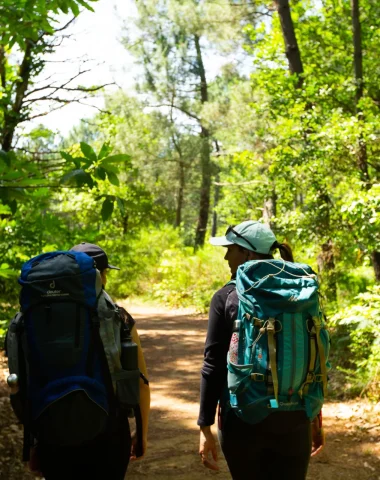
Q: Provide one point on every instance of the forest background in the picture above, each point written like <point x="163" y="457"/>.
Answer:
<point x="287" y="132"/>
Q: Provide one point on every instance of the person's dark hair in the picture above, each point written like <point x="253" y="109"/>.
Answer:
<point x="285" y="252"/>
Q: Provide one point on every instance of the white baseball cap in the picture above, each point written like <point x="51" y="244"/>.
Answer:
<point x="252" y="235"/>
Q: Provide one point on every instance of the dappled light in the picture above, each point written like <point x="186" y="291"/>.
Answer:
<point x="153" y="130"/>
<point x="353" y="432"/>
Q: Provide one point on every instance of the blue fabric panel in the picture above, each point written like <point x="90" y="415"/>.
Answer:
<point x="53" y="391"/>
<point x="88" y="277"/>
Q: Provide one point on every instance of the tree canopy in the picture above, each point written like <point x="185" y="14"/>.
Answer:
<point x="242" y="110"/>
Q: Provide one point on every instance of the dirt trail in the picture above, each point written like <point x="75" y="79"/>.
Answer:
<point x="173" y="346"/>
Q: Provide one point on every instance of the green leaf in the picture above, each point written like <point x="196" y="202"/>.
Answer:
<point x="29" y="182"/>
<point x="6" y="272"/>
<point x="88" y="151"/>
<point x="116" y="159"/>
<point x="11" y="176"/>
<point x="100" y="173"/>
<point x="70" y="158"/>
<point x="111" y="168"/>
<point x="70" y="176"/>
<point x="107" y="208"/>
<point x="4" y="156"/>
<point x="15" y="194"/>
<point x="74" y="8"/>
<point x="120" y="204"/>
<point x="104" y="151"/>
<point x="79" y="176"/>
<point x="86" y="5"/>
<point x="113" y="178"/>
<point x="64" y="7"/>
<point x="13" y="206"/>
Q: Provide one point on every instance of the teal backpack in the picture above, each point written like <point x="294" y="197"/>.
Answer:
<point x="279" y="348"/>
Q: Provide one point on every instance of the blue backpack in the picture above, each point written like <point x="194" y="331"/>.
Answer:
<point x="277" y="359"/>
<point x="68" y="390"/>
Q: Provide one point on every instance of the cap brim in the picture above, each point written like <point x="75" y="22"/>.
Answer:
<point x="112" y="267"/>
<point x="220" y="241"/>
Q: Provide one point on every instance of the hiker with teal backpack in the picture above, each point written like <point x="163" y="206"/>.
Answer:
<point x="75" y="369"/>
<point x="265" y="361"/>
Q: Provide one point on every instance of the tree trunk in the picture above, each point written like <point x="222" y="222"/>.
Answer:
<point x="214" y="227"/>
<point x="376" y="265"/>
<point x="326" y="258"/>
<point x="291" y="45"/>
<point x="358" y="69"/>
<point x="362" y="147"/>
<point x="181" y="188"/>
<point x="12" y="117"/>
<point x="326" y="268"/>
<point x="204" y="205"/>
<point x="270" y="208"/>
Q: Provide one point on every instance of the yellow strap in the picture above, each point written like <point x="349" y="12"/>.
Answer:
<point x="272" y="354"/>
<point x="310" y="373"/>
<point x="321" y="351"/>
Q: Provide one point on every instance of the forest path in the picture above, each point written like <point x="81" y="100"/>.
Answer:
<point x="173" y="345"/>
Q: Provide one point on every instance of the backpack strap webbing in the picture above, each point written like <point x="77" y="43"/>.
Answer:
<point x="310" y="378"/>
<point x="271" y="330"/>
<point x="322" y="356"/>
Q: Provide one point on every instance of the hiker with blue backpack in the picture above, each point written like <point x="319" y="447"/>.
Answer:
<point x="265" y="361"/>
<point x="77" y="373"/>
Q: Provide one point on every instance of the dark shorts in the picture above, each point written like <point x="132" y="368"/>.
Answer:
<point x="105" y="458"/>
<point x="277" y="448"/>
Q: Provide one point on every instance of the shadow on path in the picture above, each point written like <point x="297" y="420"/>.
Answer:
<point x="173" y="347"/>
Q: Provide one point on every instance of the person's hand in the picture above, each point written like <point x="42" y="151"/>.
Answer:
<point x="133" y="456"/>
<point x="318" y="439"/>
<point x="34" y="462"/>
<point x="207" y="449"/>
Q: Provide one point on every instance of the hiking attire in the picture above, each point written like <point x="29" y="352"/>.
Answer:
<point x="75" y="370"/>
<point x="107" y="457"/>
<point x="279" y="444"/>
<point x="265" y="360"/>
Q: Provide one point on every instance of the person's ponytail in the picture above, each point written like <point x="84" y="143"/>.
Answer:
<point x="286" y="252"/>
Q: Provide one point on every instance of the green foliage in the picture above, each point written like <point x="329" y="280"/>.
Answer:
<point x="295" y="154"/>
<point x="188" y="278"/>
<point x="156" y="265"/>
<point x="25" y="19"/>
<point x="359" y="327"/>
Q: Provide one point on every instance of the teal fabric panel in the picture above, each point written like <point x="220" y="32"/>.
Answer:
<point x="285" y="361"/>
<point x="301" y="356"/>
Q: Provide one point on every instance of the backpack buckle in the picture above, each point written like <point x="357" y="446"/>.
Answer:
<point x="318" y="378"/>
<point x="258" y="377"/>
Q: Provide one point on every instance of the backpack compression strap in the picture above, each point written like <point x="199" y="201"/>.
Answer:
<point x="271" y="330"/>
<point x="321" y="351"/>
<point x="310" y="377"/>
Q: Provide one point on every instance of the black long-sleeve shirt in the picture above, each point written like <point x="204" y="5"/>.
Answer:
<point x="223" y="312"/>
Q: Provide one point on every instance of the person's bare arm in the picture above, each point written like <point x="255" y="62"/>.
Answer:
<point x="144" y="391"/>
